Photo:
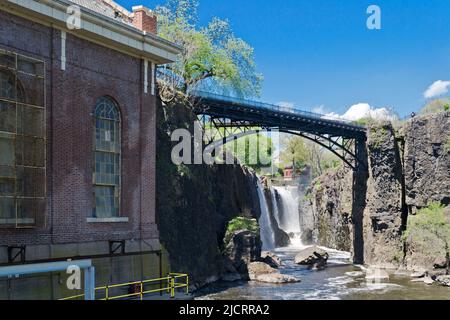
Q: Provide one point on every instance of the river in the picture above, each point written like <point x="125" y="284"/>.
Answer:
<point x="341" y="280"/>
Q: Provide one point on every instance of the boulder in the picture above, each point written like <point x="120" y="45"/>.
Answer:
<point x="277" y="278"/>
<point x="440" y="263"/>
<point x="243" y="248"/>
<point x="443" y="280"/>
<point x="313" y="257"/>
<point x="375" y="274"/>
<point x="256" y="269"/>
<point x="419" y="274"/>
<point x="229" y="273"/>
<point x="262" y="272"/>
<point x="271" y="259"/>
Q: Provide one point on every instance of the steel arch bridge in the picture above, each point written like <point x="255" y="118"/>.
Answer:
<point x="234" y="118"/>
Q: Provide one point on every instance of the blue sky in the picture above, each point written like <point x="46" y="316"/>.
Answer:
<point x="320" y="53"/>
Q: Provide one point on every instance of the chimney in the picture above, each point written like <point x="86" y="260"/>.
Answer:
<point x="144" y="19"/>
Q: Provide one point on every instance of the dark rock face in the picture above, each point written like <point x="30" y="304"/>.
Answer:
<point x="331" y="202"/>
<point x="408" y="170"/>
<point x="313" y="257"/>
<point x="306" y="215"/>
<point x="194" y="203"/>
<point x="427" y="163"/>
<point x="243" y="248"/>
<point x="384" y="215"/>
<point x="427" y="180"/>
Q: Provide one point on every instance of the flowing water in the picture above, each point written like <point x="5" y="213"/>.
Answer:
<point x="266" y="230"/>
<point x="288" y="217"/>
<point x="340" y="280"/>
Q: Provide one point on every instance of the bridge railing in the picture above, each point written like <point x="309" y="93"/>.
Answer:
<point x="272" y="107"/>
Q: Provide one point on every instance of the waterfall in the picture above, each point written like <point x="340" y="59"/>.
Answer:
<point x="287" y="212"/>
<point x="266" y="230"/>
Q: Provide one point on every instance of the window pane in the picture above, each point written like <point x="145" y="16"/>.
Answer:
<point x="7" y="208"/>
<point x="7" y="117"/>
<point x="28" y="210"/>
<point x="30" y="182"/>
<point x="7" y="153"/>
<point x="31" y="121"/>
<point x="106" y="202"/>
<point x="7" y="85"/>
<point x="30" y="151"/>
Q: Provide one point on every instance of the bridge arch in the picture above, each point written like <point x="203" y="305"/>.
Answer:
<point x="347" y="155"/>
<point x="333" y="134"/>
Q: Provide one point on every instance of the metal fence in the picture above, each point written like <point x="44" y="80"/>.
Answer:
<point x="140" y="289"/>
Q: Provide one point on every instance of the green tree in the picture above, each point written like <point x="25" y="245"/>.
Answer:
<point x="254" y="151"/>
<point x="294" y="152"/>
<point x="213" y="58"/>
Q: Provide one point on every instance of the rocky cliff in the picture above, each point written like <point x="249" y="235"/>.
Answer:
<point x="196" y="202"/>
<point x="408" y="169"/>
<point x="331" y="204"/>
<point x="384" y="217"/>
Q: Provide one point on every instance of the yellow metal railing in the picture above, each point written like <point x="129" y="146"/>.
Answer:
<point x="173" y="281"/>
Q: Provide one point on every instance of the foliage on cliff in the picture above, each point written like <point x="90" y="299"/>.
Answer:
<point x="429" y="231"/>
<point x="435" y="106"/>
<point x="213" y="58"/>
<point x="240" y="223"/>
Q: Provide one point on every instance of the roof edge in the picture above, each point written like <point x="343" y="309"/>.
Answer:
<point x="96" y="28"/>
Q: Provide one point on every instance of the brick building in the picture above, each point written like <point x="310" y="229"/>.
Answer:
<point x="77" y="138"/>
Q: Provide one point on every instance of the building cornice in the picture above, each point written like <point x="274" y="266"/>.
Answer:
<point x="97" y="28"/>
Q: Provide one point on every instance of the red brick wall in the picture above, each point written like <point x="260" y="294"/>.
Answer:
<point x="91" y="72"/>
<point x="145" y="22"/>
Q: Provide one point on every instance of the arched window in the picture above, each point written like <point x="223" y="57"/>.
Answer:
<point x="107" y="159"/>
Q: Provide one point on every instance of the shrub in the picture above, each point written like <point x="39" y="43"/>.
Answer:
<point x="318" y="185"/>
<point x="240" y="223"/>
<point x="429" y="227"/>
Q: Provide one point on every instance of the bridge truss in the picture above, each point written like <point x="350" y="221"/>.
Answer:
<point x="227" y="119"/>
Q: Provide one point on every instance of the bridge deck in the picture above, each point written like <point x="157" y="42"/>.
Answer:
<point x="277" y="117"/>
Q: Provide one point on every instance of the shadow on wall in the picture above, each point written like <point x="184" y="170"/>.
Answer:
<point x="359" y="195"/>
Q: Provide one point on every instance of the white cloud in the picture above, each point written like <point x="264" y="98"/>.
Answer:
<point x="436" y="89"/>
<point x="363" y="110"/>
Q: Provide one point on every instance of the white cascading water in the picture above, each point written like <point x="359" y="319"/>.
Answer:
<point x="288" y="219"/>
<point x="266" y="231"/>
